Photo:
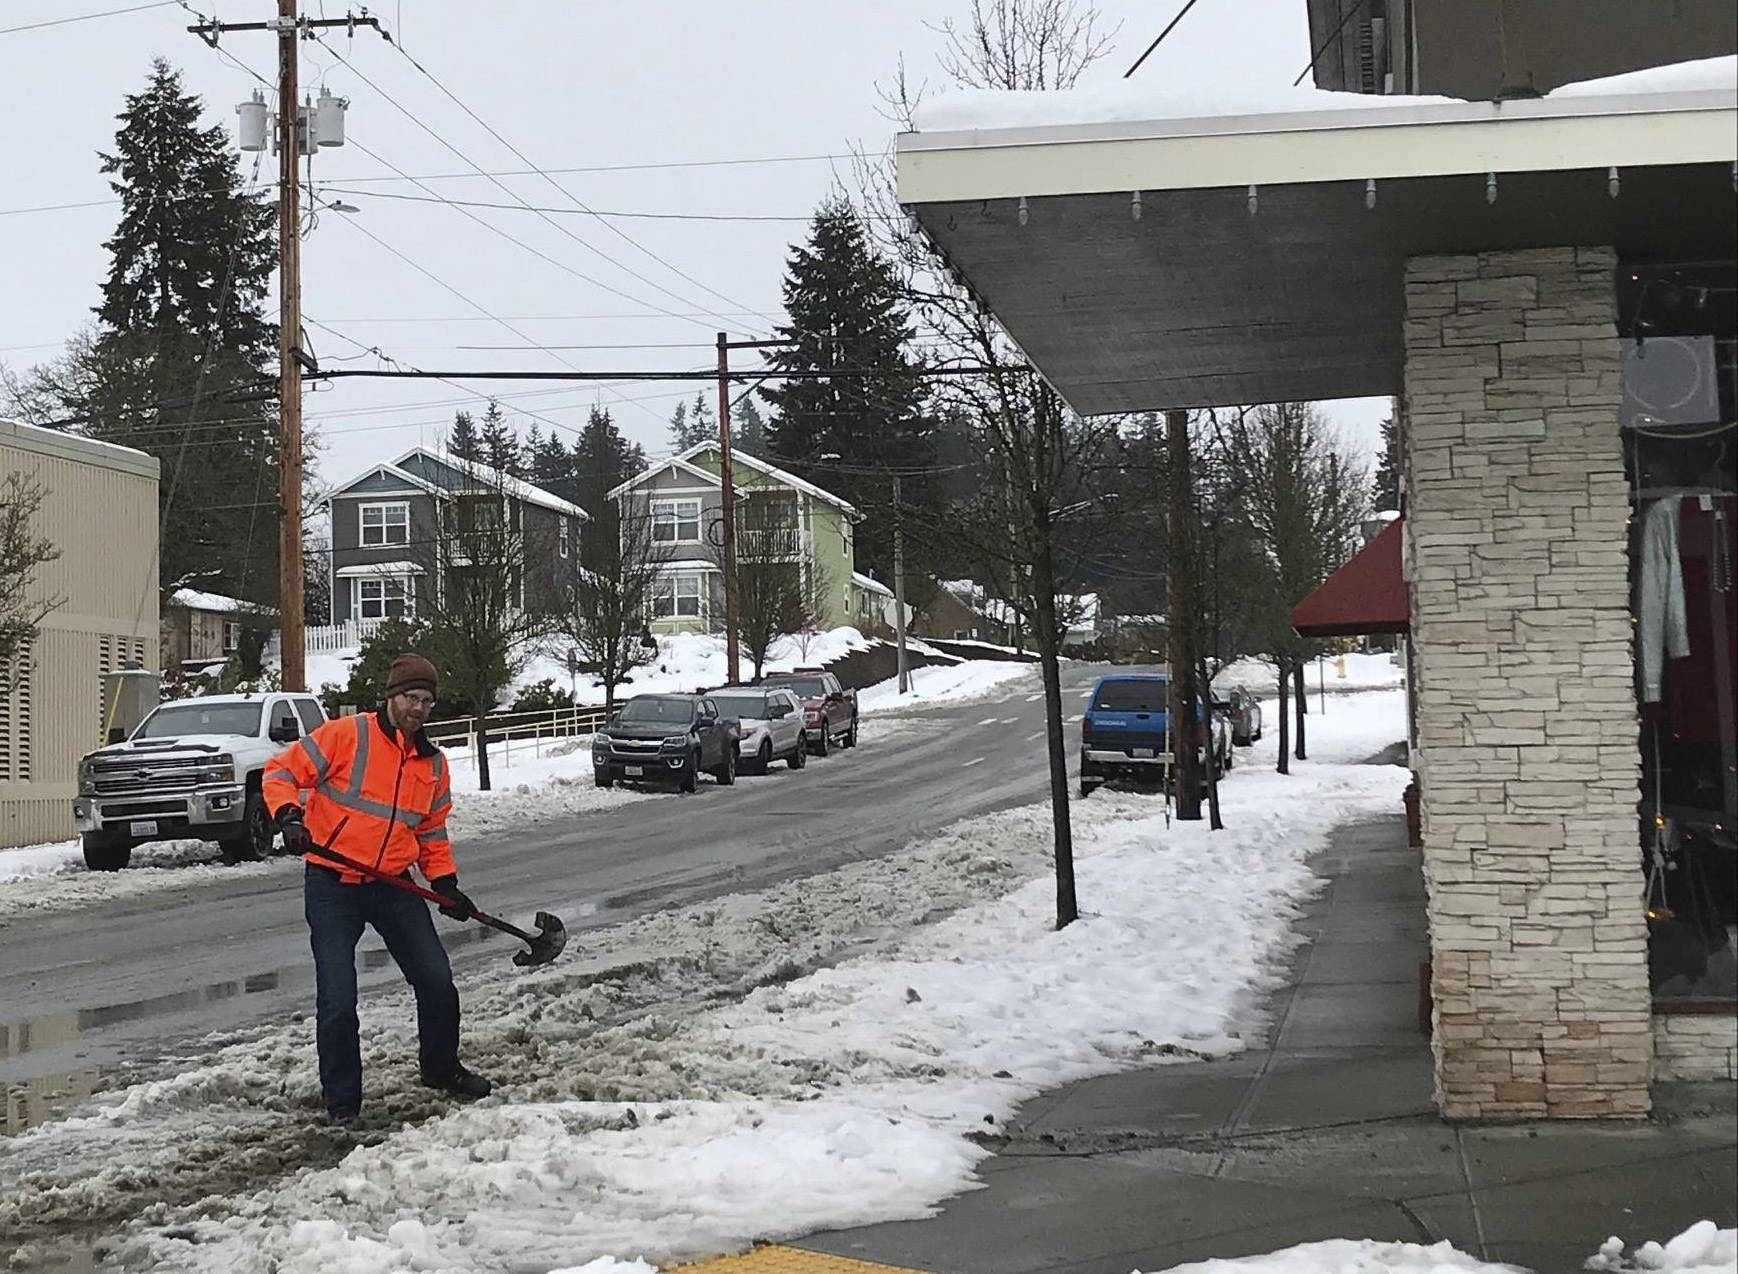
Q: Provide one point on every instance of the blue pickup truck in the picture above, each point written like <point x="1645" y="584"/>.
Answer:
<point x="1126" y="733"/>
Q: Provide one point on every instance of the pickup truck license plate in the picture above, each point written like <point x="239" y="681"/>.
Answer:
<point x="633" y="771"/>
<point x="1144" y="754"/>
<point x="143" y="827"/>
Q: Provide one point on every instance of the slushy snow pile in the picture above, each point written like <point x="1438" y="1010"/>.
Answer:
<point x="818" y="1091"/>
<point x="1704" y="1248"/>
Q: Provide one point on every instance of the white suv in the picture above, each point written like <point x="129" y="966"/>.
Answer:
<point x="191" y="771"/>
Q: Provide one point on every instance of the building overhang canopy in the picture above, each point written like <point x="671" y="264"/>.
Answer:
<point x="1182" y="262"/>
<point x="1366" y="595"/>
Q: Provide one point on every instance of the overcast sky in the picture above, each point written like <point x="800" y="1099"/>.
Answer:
<point x="701" y="110"/>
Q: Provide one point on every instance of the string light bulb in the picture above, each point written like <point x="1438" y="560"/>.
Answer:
<point x="1369" y="192"/>
<point x="1022" y="213"/>
<point x="1254" y="200"/>
<point x="1612" y="182"/>
<point x="1490" y="187"/>
<point x="1134" y="210"/>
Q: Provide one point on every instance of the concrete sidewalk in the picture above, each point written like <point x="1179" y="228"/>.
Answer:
<point x="1327" y="1132"/>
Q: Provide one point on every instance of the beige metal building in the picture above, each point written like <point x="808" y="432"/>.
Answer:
<point x="100" y="511"/>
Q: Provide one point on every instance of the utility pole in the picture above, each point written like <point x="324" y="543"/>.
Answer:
<point x="899" y="587"/>
<point x="727" y="489"/>
<point x="293" y="643"/>
<point x="1179" y="618"/>
<point x="299" y="130"/>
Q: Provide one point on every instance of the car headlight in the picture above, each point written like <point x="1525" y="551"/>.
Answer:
<point x="600" y="743"/>
<point x="749" y="731"/>
<point x="221" y="770"/>
<point x="86" y="772"/>
<point x="676" y="741"/>
<point x="812" y="717"/>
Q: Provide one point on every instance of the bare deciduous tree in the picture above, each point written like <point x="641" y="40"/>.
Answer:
<point x="23" y="552"/>
<point x="1303" y="497"/>
<point x="474" y="599"/>
<point x="607" y="595"/>
<point x="777" y="594"/>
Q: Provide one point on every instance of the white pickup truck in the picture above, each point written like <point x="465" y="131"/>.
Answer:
<point x="191" y="771"/>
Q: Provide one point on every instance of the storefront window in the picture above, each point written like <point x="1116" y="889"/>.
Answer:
<point x="1680" y="415"/>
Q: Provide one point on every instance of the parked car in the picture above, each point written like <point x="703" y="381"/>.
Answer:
<point x="1126" y="732"/>
<point x="770" y="719"/>
<point x="190" y="771"/>
<point x="1244" y="711"/>
<point x="666" y="738"/>
<point x="829" y="710"/>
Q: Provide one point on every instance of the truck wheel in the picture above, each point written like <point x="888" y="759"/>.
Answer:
<point x="105" y="853"/>
<point x="825" y="746"/>
<point x="254" y="841"/>
<point x="688" y="777"/>
<point x="726" y="773"/>
<point x="604" y="780"/>
<point x="851" y="734"/>
<point x="799" y="756"/>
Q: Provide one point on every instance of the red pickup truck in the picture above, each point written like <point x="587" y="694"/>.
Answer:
<point x="829" y="710"/>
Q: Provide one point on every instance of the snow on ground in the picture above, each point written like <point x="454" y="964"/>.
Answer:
<point x="946" y="683"/>
<point x="1704" y="1248"/>
<point x="1363" y="672"/>
<point x="757" y="1067"/>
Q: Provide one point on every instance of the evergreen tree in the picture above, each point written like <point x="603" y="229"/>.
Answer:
<point x="749" y="432"/>
<point x="499" y="443"/>
<point x="1386" y="487"/>
<point x="693" y="423"/>
<point x="679" y="427"/>
<point x="181" y="360"/>
<point x="464" y="441"/>
<point x="847" y="310"/>
<point x="602" y="460"/>
<point x="550" y="466"/>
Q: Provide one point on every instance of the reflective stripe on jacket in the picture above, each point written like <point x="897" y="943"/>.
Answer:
<point x="394" y="793"/>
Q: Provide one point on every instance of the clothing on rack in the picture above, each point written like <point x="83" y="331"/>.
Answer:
<point x="1661" y="631"/>
<point x="1699" y="684"/>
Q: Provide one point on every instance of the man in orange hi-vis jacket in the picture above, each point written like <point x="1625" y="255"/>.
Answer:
<point x="378" y="775"/>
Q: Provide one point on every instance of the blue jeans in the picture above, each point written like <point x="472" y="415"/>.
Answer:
<point x="336" y="914"/>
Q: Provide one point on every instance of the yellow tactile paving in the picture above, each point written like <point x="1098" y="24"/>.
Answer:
<point x="773" y="1259"/>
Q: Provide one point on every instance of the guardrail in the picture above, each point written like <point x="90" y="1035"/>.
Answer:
<point x="507" y="730"/>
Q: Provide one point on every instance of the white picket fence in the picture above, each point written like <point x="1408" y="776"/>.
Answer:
<point x="326" y="639"/>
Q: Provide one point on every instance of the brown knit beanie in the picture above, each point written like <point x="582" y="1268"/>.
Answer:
<point x="410" y="672"/>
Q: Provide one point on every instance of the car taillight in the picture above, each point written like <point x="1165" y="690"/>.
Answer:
<point x="1086" y="727"/>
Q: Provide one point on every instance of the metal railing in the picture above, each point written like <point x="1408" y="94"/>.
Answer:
<point x="508" y="731"/>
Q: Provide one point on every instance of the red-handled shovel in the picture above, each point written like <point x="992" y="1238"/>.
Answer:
<point x="544" y="945"/>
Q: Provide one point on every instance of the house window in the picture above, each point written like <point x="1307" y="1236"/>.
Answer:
<point x="677" y="597"/>
<point x="385" y="524"/>
<point x="382" y="597"/>
<point x="564" y="537"/>
<point x="231" y="636"/>
<point x="676" y="521"/>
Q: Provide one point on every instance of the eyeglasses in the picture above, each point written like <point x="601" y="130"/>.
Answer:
<point x="419" y="700"/>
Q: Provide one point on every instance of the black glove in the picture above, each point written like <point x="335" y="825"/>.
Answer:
<point x="459" y="906"/>
<point x="297" y="839"/>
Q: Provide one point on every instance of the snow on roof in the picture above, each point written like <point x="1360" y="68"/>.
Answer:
<point x="518" y="488"/>
<point x="1141" y="100"/>
<point x="193" y="599"/>
<point x="685" y="461"/>
<point x="869" y="584"/>
<point x="360" y="570"/>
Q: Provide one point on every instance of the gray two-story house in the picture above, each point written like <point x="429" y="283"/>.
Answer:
<point x="389" y="521"/>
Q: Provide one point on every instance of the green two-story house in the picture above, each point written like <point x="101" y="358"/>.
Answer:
<point x="779" y="516"/>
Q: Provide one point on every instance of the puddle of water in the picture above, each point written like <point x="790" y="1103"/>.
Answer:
<point x="34" y="1101"/>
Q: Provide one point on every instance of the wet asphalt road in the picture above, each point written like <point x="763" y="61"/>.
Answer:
<point x="126" y="980"/>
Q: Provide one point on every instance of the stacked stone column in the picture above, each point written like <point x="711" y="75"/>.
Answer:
<point x="1527" y="756"/>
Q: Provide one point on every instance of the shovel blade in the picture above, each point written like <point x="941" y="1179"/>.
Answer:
<point x="551" y="941"/>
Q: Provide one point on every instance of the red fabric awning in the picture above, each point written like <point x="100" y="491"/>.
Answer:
<point x="1366" y="595"/>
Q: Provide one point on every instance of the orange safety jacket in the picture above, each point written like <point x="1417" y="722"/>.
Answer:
<point x="394" y="792"/>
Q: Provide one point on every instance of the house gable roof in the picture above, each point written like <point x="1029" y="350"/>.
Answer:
<point x="685" y="462"/>
<point x="389" y="470"/>
<point x="518" y="488"/>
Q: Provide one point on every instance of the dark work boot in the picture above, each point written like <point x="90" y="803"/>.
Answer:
<point x="463" y="1084"/>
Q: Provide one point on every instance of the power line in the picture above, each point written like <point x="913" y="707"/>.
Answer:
<point x="506" y="189"/>
<point x="1160" y="39"/>
<point x="601" y="214"/>
<point x="87" y="17"/>
<point x="1357" y="8"/>
<point x="654" y="166"/>
<point x="573" y="198"/>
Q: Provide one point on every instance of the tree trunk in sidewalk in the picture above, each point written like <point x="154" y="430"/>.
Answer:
<point x="1284" y="766"/>
<point x="1180" y="602"/>
<point x="1302" y="711"/>
<point x="1047" y="634"/>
